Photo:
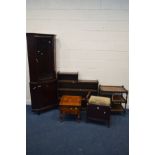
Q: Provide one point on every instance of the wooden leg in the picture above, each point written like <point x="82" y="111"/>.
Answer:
<point x="61" y="116"/>
<point x="108" y="123"/>
<point x="78" y="117"/>
<point x="125" y="108"/>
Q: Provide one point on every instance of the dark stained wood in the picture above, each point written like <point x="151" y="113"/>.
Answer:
<point x="98" y="113"/>
<point x="117" y="108"/>
<point x="43" y="95"/>
<point x="116" y="89"/>
<point x="67" y="76"/>
<point x="42" y="69"/>
<point x="118" y="95"/>
<point x="68" y="86"/>
<point x="41" y="56"/>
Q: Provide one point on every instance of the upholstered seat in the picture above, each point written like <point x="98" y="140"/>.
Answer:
<point x="98" y="100"/>
<point x="98" y="109"/>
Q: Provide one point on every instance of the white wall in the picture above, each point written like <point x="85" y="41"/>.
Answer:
<point x="92" y="36"/>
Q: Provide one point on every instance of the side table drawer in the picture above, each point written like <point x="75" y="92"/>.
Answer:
<point x="70" y="110"/>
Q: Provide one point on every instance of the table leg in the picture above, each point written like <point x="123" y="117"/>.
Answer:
<point x="78" y="117"/>
<point x="61" y="116"/>
<point x="125" y="108"/>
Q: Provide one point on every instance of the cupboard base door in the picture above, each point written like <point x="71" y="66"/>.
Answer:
<point x="43" y="96"/>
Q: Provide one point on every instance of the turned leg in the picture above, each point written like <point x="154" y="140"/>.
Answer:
<point x="61" y="116"/>
<point x="108" y="123"/>
<point x="125" y="108"/>
<point x="78" y="117"/>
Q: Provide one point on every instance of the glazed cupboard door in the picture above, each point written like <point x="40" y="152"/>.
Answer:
<point x="45" y="57"/>
<point x="41" y="53"/>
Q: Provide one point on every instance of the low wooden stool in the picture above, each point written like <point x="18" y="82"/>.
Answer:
<point x="98" y="109"/>
<point x="70" y="105"/>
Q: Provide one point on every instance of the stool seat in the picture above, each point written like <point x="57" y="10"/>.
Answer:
<point x="98" y="100"/>
<point x="98" y="109"/>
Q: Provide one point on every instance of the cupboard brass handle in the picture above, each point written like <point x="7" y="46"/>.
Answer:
<point x="39" y="86"/>
<point x="34" y="88"/>
<point x="37" y="60"/>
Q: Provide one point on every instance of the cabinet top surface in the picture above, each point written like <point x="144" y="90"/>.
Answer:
<point x="66" y="73"/>
<point x="40" y="34"/>
<point x="119" y="89"/>
<point x="71" y="100"/>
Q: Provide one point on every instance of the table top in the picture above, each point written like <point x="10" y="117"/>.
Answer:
<point x="115" y="89"/>
<point x="70" y="100"/>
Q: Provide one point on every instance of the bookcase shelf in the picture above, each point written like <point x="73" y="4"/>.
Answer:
<point x="118" y="95"/>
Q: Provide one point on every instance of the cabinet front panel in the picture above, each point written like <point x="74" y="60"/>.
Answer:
<point x="32" y="57"/>
<point x="98" y="111"/>
<point x="50" y="93"/>
<point x="41" y="54"/>
<point x="37" y="97"/>
<point x="45" y="57"/>
<point x="43" y="95"/>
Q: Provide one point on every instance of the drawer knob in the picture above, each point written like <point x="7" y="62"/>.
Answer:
<point x="37" y="60"/>
<point x="98" y="108"/>
<point x="34" y="88"/>
<point x="105" y="112"/>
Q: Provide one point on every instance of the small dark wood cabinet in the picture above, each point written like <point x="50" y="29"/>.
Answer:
<point x="42" y="69"/>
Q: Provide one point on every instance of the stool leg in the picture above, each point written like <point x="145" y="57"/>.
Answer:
<point x="61" y="117"/>
<point x="78" y="117"/>
<point x="108" y="123"/>
<point x="109" y="119"/>
<point x="125" y="108"/>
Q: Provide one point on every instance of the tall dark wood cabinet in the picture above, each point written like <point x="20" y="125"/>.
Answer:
<point x="42" y="69"/>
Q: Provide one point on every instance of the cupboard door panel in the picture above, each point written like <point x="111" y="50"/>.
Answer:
<point x="50" y="93"/>
<point x="41" y="54"/>
<point x="37" y="96"/>
<point x="43" y="95"/>
<point x="31" y="44"/>
<point x="45" y="57"/>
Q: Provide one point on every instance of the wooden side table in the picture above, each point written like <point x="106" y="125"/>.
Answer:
<point x="118" y="95"/>
<point x="70" y="105"/>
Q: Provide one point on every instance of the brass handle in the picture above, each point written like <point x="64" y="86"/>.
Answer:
<point x="34" y="88"/>
<point x="37" y="60"/>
